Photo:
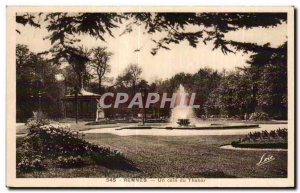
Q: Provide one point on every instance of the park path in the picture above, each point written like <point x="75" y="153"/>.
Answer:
<point x="185" y="132"/>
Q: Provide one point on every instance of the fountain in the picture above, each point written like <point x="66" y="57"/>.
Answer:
<point x="183" y="117"/>
<point x="182" y="114"/>
<point x="183" y="122"/>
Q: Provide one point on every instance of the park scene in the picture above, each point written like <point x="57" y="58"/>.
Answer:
<point x="151" y="95"/>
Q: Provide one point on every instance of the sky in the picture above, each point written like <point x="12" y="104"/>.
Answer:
<point x="166" y="63"/>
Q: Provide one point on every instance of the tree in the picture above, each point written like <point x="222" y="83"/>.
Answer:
<point x="35" y="77"/>
<point x="269" y="80"/>
<point x="130" y="77"/>
<point x="69" y="78"/>
<point x="78" y="61"/>
<point x="63" y="26"/>
<point x="100" y="64"/>
<point x="200" y="83"/>
<point x="64" y="29"/>
<point x="27" y="19"/>
<point x="209" y="27"/>
<point x="203" y="82"/>
<point x="77" y="57"/>
<point x="232" y="97"/>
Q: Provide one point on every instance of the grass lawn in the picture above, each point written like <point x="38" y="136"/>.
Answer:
<point x="180" y="156"/>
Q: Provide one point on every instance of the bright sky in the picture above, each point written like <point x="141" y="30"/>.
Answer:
<point x="166" y="63"/>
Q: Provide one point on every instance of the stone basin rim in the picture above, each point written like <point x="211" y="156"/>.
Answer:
<point x="246" y="126"/>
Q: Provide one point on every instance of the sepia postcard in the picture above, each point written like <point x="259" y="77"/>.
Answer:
<point x="150" y="97"/>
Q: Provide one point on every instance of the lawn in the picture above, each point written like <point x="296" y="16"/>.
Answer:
<point x="176" y="156"/>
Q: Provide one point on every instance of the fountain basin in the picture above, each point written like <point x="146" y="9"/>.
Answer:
<point x="204" y="127"/>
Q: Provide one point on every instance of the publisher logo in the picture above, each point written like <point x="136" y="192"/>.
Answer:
<point x="265" y="158"/>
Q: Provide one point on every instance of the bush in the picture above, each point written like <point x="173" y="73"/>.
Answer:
<point x="34" y="124"/>
<point x="108" y="158"/>
<point x="279" y="134"/>
<point x="264" y="139"/>
<point x="57" y="141"/>
<point x="28" y="164"/>
<point x="69" y="162"/>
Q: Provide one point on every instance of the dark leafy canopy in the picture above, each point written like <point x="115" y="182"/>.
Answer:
<point x="208" y="27"/>
<point x="269" y="78"/>
<point x="27" y="18"/>
<point x="214" y="27"/>
<point x="64" y="25"/>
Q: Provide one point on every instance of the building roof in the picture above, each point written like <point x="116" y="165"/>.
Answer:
<point x="83" y="93"/>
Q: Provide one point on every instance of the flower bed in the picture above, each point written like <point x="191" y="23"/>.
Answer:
<point x="273" y="139"/>
<point x="50" y="141"/>
<point x="271" y="145"/>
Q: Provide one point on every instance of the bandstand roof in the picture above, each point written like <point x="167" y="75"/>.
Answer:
<point x="83" y="93"/>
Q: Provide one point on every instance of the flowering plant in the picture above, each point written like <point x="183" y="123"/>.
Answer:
<point x="71" y="161"/>
<point x="30" y="163"/>
<point x="58" y="142"/>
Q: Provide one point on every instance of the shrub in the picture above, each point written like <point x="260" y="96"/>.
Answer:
<point x="69" y="162"/>
<point x="28" y="164"/>
<point x="107" y="157"/>
<point x="274" y="134"/>
<point x="264" y="139"/>
<point x="57" y="141"/>
<point x="34" y="124"/>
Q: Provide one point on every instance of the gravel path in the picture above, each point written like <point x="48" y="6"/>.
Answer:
<point x="250" y="149"/>
<point x="184" y="132"/>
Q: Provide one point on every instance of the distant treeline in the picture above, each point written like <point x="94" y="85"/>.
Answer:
<point x="260" y="87"/>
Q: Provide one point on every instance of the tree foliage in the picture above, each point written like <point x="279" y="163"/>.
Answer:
<point x="262" y="84"/>
<point x="207" y="27"/>
<point x="130" y="77"/>
<point x="35" y="77"/>
<point x="211" y="27"/>
<point x="99" y="64"/>
<point x="27" y="19"/>
<point x="260" y="87"/>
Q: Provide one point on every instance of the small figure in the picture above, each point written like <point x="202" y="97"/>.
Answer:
<point x="99" y="114"/>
